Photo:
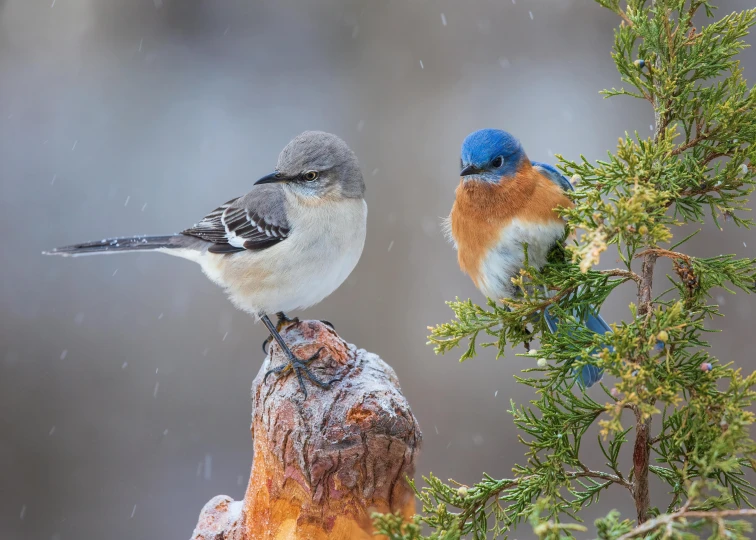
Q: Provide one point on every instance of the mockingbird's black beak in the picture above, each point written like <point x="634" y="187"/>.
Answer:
<point x="470" y="169"/>
<point x="273" y="178"/>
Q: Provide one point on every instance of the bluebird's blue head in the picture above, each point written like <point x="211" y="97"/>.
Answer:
<point x="489" y="155"/>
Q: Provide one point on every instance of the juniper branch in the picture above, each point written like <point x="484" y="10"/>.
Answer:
<point x="699" y="165"/>
<point x="715" y="516"/>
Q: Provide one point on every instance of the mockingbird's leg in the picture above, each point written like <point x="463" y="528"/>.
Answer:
<point x="294" y="363"/>
<point x="283" y="321"/>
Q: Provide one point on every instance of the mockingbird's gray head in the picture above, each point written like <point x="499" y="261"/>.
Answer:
<point x="318" y="164"/>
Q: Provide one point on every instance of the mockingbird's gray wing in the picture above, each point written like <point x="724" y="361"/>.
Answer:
<point x="253" y="222"/>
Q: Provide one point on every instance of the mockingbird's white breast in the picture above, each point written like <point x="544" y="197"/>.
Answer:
<point x="322" y="249"/>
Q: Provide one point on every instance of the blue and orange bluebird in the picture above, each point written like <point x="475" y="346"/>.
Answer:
<point x="503" y="201"/>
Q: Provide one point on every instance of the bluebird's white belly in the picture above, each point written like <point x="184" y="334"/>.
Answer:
<point x="504" y="262"/>
<point x="323" y="248"/>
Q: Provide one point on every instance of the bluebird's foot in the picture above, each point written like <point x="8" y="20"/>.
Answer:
<point x="527" y="340"/>
<point x="294" y="364"/>
<point x="283" y="322"/>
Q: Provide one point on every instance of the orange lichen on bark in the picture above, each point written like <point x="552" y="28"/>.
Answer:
<point x="323" y="464"/>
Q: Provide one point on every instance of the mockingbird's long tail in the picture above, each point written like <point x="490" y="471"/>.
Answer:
<point x="119" y="245"/>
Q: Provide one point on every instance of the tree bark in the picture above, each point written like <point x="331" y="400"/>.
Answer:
<point x="323" y="464"/>
<point x="641" y="455"/>
<point x="642" y="448"/>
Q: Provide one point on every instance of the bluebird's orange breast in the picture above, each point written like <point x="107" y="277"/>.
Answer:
<point x="482" y="211"/>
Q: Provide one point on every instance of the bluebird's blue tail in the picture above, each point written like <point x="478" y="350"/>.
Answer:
<point x="588" y="375"/>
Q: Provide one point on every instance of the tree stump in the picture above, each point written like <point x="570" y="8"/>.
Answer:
<point x="322" y="464"/>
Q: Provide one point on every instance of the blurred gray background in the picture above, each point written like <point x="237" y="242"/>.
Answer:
<point x="124" y="381"/>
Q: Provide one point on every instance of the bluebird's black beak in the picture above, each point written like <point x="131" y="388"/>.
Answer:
<point x="470" y="169"/>
<point x="272" y="178"/>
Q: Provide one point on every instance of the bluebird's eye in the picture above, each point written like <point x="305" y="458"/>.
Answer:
<point x="311" y="176"/>
<point x="497" y="162"/>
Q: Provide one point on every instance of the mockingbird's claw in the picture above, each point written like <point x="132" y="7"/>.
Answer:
<point x="300" y="367"/>
<point x="266" y="343"/>
<point x="328" y="324"/>
<point x="284" y="321"/>
<point x="294" y="363"/>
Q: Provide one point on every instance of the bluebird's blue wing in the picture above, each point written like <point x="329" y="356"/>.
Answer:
<point x="588" y="375"/>
<point x="551" y="321"/>
<point x="596" y="324"/>
<point x="553" y="174"/>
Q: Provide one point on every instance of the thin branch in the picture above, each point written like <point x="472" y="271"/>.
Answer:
<point x="693" y="193"/>
<point x="572" y="475"/>
<point x="587" y="473"/>
<point x="691" y="13"/>
<point x="616" y="272"/>
<point x="659" y="252"/>
<point x="713" y="156"/>
<point x="693" y="142"/>
<point x="626" y="19"/>
<point x="667" y="519"/>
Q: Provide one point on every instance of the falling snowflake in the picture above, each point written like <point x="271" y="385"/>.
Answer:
<point x="208" y="466"/>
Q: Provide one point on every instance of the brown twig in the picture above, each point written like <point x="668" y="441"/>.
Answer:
<point x="659" y="252"/>
<point x="684" y="513"/>
<point x="693" y="142"/>
<point x="616" y="272"/>
<point x="625" y="18"/>
<point x="617" y="479"/>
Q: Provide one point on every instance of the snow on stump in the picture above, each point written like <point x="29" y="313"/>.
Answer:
<point x="322" y="464"/>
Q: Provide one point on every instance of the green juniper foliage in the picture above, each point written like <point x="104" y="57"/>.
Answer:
<point x="685" y="413"/>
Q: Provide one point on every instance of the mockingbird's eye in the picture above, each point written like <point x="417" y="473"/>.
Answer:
<point x="497" y="162"/>
<point x="311" y="175"/>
